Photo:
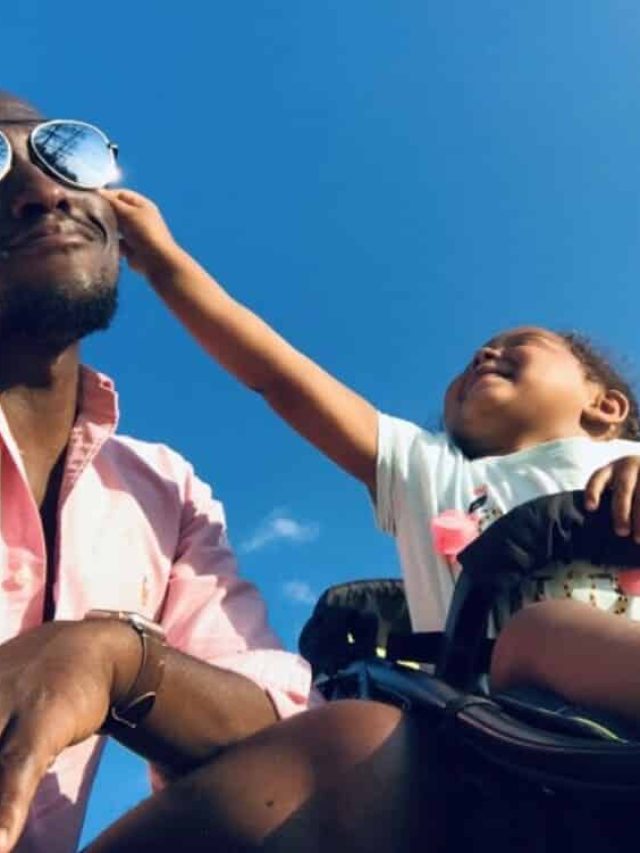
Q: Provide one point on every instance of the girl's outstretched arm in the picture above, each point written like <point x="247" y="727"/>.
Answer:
<point x="336" y="420"/>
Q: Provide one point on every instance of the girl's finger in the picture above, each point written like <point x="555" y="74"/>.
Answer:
<point x="635" y="514"/>
<point x="130" y="257"/>
<point x="624" y="486"/>
<point x="125" y="249"/>
<point x="124" y="197"/>
<point x="598" y="482"/>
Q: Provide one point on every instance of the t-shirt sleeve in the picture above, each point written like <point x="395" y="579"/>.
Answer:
<point x="214" y="614"/>
<point x="407" y="455"/>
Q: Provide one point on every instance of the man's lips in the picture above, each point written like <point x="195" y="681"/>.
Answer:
<point x="52" y="235"/>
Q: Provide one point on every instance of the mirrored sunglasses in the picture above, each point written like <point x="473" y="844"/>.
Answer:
<point x="78" y="154"/>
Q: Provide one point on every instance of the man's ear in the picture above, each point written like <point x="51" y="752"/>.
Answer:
<point x="606" y="412"/>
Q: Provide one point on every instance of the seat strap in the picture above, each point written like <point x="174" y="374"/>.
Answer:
<point x="427" y="646"/>
<point x="421" y="647"/>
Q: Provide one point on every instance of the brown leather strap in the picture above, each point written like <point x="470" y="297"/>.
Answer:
<point x="140" y="697"/>
<point x="142" y="693"/>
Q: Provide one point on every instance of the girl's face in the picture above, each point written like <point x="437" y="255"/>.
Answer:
<point x="522" y="388"/>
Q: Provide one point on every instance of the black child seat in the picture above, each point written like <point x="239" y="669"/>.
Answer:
<point x="532" y="778"/>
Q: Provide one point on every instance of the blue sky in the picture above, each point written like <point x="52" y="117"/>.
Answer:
<point x="388" y="183"/>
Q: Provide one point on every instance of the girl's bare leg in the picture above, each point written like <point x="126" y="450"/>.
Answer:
<point x="589" y="656"/>
<point x="350" y="776"/>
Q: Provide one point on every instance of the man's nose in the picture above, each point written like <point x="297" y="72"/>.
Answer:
<point x="33" y="193"/>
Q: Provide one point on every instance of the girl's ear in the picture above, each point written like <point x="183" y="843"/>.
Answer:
<point x="605" y="414"/>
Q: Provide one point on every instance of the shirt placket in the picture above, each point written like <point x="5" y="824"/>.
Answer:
<point x="22" y="540"/>
<point x="85" y="442"/>
<point x="22" y="574"/>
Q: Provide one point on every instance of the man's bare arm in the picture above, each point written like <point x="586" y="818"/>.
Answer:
<point x="199" y="709"/>
<point x="58" y="681"/>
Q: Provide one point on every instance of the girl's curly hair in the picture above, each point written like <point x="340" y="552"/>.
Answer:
<point x="600" y="369"/>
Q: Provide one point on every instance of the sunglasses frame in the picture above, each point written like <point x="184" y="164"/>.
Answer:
<point x="40" y="161"/>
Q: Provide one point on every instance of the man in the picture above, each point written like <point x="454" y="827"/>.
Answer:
<point x="91" y="520"/>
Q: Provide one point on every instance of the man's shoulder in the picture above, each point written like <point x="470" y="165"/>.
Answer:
<point x="154" y="456"/>
<point x="140" y="463"/>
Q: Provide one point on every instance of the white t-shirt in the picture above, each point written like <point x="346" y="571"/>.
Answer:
<point x="421" y="474"/>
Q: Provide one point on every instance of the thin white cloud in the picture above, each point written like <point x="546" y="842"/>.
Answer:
<point x="279" y="526"/>
<point x="298" y="592"/>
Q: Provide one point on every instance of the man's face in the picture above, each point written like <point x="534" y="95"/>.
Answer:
<point x="524" y="384"/>
<point x="58" y="247"/>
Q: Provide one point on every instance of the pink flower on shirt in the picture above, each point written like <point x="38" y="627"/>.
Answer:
<point x="629" y="581"/>
<point x="452" y="530"/>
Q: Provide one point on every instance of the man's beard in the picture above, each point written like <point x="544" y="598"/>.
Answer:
<point x="56" y="317"/>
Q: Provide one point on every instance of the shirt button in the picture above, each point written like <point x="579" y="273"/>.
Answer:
<point x="17" y="579"/>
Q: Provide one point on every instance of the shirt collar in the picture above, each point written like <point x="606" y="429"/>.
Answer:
<point x="97" y="398"/>
<point x="96" y="420"/>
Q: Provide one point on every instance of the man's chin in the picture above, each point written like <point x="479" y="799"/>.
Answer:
<point x="57" y="315"/>
<point x="52" y="266"/>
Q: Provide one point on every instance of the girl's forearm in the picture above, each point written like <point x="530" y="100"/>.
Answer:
<point x="335" y="419"/>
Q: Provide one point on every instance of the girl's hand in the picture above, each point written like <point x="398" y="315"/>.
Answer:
<point x="623" y="478"/>
<point x="146" y="241"/>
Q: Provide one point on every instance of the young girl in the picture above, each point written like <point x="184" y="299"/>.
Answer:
<point x="534" y="412"/>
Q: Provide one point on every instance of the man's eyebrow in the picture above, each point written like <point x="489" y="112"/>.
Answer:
<point x="25" y="120"/>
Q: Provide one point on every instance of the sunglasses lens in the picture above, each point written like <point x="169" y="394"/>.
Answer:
<point x="5" y="155"/>
<point x="77" y="153"/>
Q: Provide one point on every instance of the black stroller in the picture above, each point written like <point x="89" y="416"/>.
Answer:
<point x="522" y="775"/>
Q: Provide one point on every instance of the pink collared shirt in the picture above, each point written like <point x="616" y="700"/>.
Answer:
<point x="137" y="531"/>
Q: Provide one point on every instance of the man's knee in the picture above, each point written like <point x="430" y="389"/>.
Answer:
<point x="360" y="769"/>
<point x="346" y="776"/>
<point x="316" y="747"/>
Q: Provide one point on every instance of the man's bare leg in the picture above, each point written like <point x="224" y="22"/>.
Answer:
<point x="350" y="776"/>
